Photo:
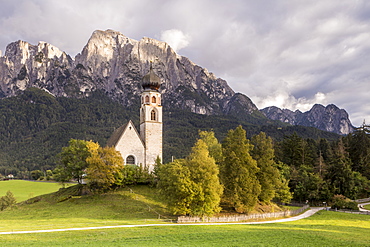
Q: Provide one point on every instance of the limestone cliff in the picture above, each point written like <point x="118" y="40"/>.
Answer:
<point x="115" y="64"/>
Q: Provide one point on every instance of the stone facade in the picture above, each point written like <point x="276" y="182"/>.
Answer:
<point x="151" y="125"/>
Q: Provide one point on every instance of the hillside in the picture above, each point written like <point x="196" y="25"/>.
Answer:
<point x="36" y="125"/>
<point x="68" y="208"/>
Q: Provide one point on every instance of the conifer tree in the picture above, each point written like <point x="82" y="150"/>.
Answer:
<point x="268" y="175"/>
<point x="238" y="171"/>
<point x="340" y="173"/>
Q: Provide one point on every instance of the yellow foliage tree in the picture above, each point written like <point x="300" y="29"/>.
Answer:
<point x="105" y="168"/>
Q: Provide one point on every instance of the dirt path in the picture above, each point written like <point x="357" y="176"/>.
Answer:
<point x="306" y="214"/>
<point x="360" y="206"/>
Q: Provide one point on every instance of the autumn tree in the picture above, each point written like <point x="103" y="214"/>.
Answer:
<point x="191" y="186"/>
<point x="73" y="158"/>
<point x="268" y="175"/>
<point x="104" y="168"/>
<point x="239" y="171"/>
<point x="214" y="147"/>
<point x="204" y="173"/>
<point x="176" y="187"/>
<point x="282" y="192"/>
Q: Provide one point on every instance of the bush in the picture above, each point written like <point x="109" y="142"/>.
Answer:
<point x="342" y="202"/>
<point x="7" y="201"/>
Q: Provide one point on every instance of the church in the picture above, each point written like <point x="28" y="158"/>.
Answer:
<point x="143" y="148"/>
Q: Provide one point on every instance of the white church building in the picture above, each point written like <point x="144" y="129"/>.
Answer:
<point x="143" y="148"/>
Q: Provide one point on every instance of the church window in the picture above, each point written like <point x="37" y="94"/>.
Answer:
<point x="153" y="115"/>
<point x="147" y="99"/>
<point x="159" y="100"/>
<point x="130" y="160"/>
<point x="154" y="100"/>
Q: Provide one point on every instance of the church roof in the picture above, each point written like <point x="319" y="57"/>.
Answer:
<point x="115" y="137"/>
<point x="151" y="80"/>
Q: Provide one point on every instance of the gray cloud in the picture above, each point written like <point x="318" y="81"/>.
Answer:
<point x="288" y="53"/>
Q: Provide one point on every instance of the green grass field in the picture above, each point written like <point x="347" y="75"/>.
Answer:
<point x="24" y="190"/>
<point x="115" y="208"/>
<point x="322" y="229"/>
<point x="56" y="211"/>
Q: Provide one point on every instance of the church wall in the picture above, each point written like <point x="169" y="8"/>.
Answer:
<point x="153" y="140"/>
<point x="131" y="144"/>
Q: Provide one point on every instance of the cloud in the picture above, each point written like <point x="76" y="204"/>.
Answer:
<point x="175" y="38"/>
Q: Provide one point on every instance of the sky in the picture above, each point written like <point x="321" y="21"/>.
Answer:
<point x="287" y="53"/>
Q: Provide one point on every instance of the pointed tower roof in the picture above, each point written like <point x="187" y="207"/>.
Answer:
<point x="151" y="81"/>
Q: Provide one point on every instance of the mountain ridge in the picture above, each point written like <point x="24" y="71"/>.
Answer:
<point x="115" y="64"/>
<point x="329" y="118"/>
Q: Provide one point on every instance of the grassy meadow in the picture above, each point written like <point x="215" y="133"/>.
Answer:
<point x="322" y="229"/>
<point x="24" y="190"/>
<point x="141" y="205"/>
<point x="60" y="210"/>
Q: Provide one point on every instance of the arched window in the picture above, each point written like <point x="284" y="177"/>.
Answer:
<point x="159" y="100"/>
<point x="153" y="115"/>
<point x="130" y="160"/>
<point x="147" y="99"/>
<point x="154" y="99"/>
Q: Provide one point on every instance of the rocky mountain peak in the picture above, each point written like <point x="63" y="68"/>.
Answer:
<point x="329" y="118"/>
<point x="116" y="64"/>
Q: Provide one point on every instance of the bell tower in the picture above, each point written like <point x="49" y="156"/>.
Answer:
<point x="151" y="118"/>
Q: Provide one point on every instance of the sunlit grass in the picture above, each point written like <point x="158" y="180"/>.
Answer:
<point x="322" y="229"/>
<point x="115" y="208"/>
<point x="23" y="190"/>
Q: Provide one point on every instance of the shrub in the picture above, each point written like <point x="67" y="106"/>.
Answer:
<point x="342" y="202"/>
<point x="7" y="201"/>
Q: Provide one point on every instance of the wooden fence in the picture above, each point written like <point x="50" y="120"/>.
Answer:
<point x="241" y="217"/>
<point x="352" y="211"/>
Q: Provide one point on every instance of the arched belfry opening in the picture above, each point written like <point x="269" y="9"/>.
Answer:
<point x="153" y="115"/>
<point x="154" y="100"/>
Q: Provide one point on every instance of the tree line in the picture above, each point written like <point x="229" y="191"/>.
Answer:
<point x="237" y="173"/>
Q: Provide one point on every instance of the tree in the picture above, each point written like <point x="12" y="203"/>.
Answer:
<point x="36" y="174"/>
<point x="238" y="172"/>
<point x="176" y="187"/>
<point x="214" y="147"/>
<point x="291" y="151"/>
<point x="359" y="149"/>
<point x="340" y="174"/>
<point x="191" y="186"/>
<point x="204" y="173"/>
<point x="73" y="160"/>
<point x="7" y="201"/>
<point x="268" y="175"/>
<point x="104" y="168"/>
<point x="310" y="186"/>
